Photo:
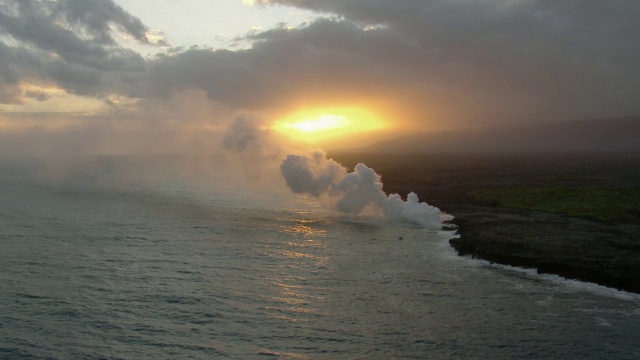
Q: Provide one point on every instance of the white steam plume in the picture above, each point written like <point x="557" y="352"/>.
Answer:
<point x="357" y="193"/>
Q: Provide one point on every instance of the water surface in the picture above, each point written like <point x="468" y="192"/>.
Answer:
<point x="176" y="271"/>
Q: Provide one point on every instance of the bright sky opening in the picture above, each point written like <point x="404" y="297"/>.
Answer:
<point x="323" y="122"/>
<point x="328" y="125"/>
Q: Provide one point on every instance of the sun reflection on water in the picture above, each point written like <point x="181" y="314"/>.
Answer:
<point x="305" y="241"/>
<point x="297" y="259"/>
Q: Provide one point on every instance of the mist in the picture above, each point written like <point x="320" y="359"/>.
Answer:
<point x="185" y="147"/>
<point x="188" y="138"/>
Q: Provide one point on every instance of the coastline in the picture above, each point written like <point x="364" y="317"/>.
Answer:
<point x="606" y="254"/>
<point x="586" y="249"/>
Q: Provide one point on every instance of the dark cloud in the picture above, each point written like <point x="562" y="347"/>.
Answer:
<point x="38" y="23"/>
<point x="37" y="95"/>
<point x="430" y="64"/>
<point x="327" y="62"/>
<point x="97" y="16"/>
<point x="502" y="58"/>
<point x="69" y="43"/>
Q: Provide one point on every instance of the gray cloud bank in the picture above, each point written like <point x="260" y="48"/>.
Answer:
<point x="68" y="43"/>
<point x="510" y="60"/>
<point x="425" y="64"/>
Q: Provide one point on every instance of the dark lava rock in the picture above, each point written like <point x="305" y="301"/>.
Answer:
<point x="603" y="253"/>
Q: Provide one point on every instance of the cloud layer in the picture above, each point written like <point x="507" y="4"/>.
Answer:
<point x="423" y="65"/>
<point x="69" y="44"/>
<point x="498" y="60"/>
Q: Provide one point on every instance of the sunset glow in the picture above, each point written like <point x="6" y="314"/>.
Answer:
<point x="329" y="124"/>
<point x="323" y="122"/>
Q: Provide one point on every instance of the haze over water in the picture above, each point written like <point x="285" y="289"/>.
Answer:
<point x="176" y="271"/>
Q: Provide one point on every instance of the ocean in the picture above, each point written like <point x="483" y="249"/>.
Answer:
<point x="183" y="271"/>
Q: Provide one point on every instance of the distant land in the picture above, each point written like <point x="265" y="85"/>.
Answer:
<point x="562" y="198"/>
<point x="576" y="215"/>
<point x="596" y="135"/>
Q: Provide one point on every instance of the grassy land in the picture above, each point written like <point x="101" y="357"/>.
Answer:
<point x="603" y="203"/>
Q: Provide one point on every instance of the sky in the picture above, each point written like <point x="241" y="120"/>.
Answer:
<point x="172" y="76"/>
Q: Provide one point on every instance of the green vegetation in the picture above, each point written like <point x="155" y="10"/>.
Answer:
<point x="604" y="203"/>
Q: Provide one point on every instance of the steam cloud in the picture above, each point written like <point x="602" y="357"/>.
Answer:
<point x="356" y="193"/>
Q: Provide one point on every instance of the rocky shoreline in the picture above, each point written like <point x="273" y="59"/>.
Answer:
<point x="603" y="253"/>
<point x="606" y="253"/>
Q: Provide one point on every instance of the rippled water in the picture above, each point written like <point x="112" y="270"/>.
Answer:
<point x="180" y="272"/>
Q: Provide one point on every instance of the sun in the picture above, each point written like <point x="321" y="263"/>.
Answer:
<point x="326" y="125"/>
<point x="323" y="122"/>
